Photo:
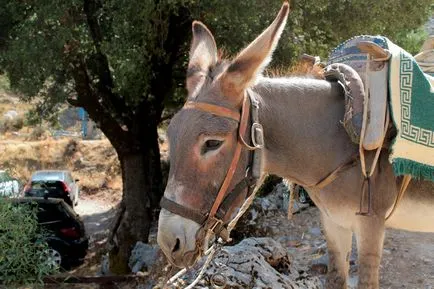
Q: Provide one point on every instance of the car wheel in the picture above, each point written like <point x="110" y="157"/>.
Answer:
<point x="53" y="259"/>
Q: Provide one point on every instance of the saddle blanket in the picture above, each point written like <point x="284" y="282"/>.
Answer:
<point x="411" y="102"/>
<point x="411" y="93"/>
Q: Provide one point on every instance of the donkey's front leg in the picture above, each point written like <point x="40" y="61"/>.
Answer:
<point x="339" y="248"/>
<point x="370" y="238"/>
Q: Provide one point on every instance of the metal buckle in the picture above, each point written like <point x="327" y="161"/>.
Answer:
<point x="217" y="222"/>
<point x="257" y="135"/>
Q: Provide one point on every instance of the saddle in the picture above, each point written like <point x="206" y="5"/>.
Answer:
<point x="360" y="66"/>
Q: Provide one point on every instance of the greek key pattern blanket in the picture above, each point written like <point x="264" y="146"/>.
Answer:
<point x="412" y="105"/>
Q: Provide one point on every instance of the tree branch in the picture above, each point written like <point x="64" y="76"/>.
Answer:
<point x="90" y="101"/>
<point x="99" y="64"/>
<point x="161" y="85"/>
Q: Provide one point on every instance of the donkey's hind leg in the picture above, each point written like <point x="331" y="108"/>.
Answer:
<point x="370" y="238"/>
<point x="339" y="249"/>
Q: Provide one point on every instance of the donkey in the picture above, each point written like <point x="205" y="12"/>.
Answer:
<point x="304" y="141"/>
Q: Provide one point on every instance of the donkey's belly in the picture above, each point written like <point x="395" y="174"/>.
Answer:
<point x="416" y="210"/>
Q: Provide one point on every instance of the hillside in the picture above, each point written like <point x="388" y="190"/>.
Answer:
<point x="93" y="162"/>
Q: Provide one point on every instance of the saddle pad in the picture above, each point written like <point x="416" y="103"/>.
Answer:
<point x="412" y="105"/>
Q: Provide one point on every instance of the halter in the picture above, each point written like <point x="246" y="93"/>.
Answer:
<point x="213" y="221"/>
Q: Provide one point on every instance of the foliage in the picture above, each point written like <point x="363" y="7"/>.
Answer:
<point x="314" y="26"/>
<point x="22" y="249"/>
<point x="131" y="34"/>
<point x="413" y="40"/>
<point x="4" y="83"/>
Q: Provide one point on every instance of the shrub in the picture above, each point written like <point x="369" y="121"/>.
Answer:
<point x="11" y="124"/>
<point x="22" y="248"/>
<point x="37" y="133"/>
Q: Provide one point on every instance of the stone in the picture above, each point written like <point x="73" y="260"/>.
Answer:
<point x="255" y="263"/>
<point x="10" y="114"/>
<point x="315" y="231"/>
<point x="142" y="257"/>
<point x="105" y="266"/>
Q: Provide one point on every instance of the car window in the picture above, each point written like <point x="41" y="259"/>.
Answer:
<point x="48" y="212"/>
<point x="39" y="185"/>
<point x="48" y="176"/>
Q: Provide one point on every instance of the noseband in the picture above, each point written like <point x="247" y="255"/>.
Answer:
<point x="213" y="221"/>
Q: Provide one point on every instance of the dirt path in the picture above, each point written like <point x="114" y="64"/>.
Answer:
<point x="97" y="216"/>
<point x="408" y="260"/>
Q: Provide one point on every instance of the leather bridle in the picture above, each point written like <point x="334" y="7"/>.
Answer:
<point x="213" y="221"/>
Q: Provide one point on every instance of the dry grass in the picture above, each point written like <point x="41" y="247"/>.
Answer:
<point x="94" y="163"/>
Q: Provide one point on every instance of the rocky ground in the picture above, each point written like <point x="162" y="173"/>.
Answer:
<point x="298" y="247"/>
<point x="408" y="257"/>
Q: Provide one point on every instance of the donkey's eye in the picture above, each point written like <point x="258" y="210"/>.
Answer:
<point x="211" y="145"/>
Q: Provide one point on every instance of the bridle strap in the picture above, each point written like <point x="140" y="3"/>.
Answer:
<point x="185" y="212"/>
<point x="235" y="159"/>
<point x="213" y="109"/>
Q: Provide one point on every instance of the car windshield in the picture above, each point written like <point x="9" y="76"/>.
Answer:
<point x="47" y="176"/>
<point x="46" y="185"/>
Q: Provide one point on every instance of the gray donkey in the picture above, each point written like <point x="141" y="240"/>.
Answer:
<point x="304" y="141"/>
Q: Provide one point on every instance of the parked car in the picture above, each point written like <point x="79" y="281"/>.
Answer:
<point x="53" y="184"/>
<point x="62" y="228"/>
<point x="9" y="187"/>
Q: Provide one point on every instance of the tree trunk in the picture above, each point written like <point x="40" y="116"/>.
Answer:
<point x="136" y="220"/>
<point x="141" y="176"/>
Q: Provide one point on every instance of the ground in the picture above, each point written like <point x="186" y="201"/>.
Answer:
<point x="408" y="257"/>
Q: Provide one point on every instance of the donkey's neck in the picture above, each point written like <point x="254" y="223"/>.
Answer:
<point x="304" y="137"/>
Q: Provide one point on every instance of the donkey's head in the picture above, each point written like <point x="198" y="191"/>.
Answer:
<point x="207" y="160"/>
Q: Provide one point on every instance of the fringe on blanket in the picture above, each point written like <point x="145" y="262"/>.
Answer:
<point x="416" y="170"/>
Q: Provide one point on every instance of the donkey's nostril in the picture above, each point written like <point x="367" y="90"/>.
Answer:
<point x="177" y="246"/>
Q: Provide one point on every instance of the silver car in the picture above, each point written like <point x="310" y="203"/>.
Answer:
<point x="53" y="184"/>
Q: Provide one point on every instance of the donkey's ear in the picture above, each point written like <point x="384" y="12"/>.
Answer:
<point x="203" y="55"/>
<point x="244" y="69"/>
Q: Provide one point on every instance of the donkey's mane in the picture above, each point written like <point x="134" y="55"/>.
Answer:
<point x="299" y="69"/>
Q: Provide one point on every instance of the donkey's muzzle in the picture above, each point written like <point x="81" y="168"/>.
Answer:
<point x="177" y="238"/>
